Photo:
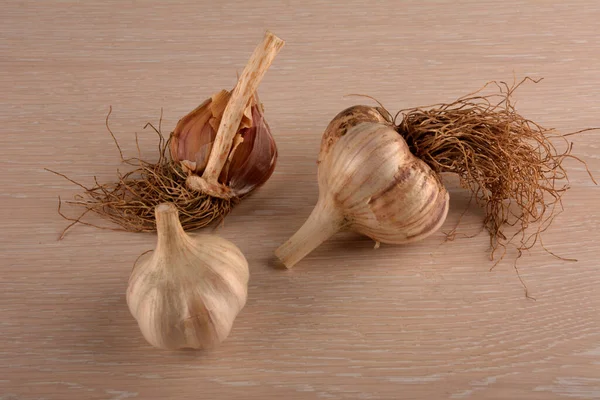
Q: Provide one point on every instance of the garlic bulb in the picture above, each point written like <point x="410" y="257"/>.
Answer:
<point x="226" y="143"/>
<point x="253" y="155"/>
<point x="188" y="292"/>
<point x="370" y="183"/>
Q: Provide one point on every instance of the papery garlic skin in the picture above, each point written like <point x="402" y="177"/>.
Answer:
<point x="195" y="133"/>
<point x="370" y="183"/>
<point x="348" y="119"/>
<point x="253" y="160"/>
<point x="188" y="292"/>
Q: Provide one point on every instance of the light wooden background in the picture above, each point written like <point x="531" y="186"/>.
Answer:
<point x="427" y="320"/>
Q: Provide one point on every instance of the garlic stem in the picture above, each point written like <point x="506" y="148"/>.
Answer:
<point x="255" y="70"/>
<point x="323" y="222"/>
<point x="168" y="228"/>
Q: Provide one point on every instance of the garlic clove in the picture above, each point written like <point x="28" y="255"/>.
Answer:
<point x="195" y="134"/>
<point x="188" y="292"/>
<point x="370" y="183"/>
<point x="254" y="159"/>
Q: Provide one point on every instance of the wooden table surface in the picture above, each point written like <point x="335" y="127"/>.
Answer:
<point x="422" y="321"/>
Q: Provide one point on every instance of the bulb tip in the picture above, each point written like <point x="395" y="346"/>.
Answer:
<point x="278" y="262"/>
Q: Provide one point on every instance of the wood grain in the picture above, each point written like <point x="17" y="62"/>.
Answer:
<point x="427" y="320"/>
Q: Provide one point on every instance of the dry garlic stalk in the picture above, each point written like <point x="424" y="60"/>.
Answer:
<point x="188" y="292"/>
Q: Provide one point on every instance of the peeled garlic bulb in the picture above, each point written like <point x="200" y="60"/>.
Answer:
<point x="226" y="143"/>
<point x="253" y="155"/>
<point x="188" y="292"/>
<point x="370" y="183"/>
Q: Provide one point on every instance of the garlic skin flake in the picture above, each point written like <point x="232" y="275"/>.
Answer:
<point x="370" y="183"/>
<point x="188" y="292"/>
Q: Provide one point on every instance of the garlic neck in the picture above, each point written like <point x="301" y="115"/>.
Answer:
<point x="324" y="221"/>
<point x="168" y="228"/>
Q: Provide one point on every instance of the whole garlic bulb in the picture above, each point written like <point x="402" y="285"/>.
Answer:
<point x="370" y="183"/>
<point x="188" y="292"/>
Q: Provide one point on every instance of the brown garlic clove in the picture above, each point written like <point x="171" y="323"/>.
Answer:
<point x="370" y="183"/>
<point x="194" y="134"/>
<point x="253" y="161"/>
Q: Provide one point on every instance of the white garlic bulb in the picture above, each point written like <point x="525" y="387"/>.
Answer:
<point x="188" y="292"/>
<point x="370" y="183"/>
